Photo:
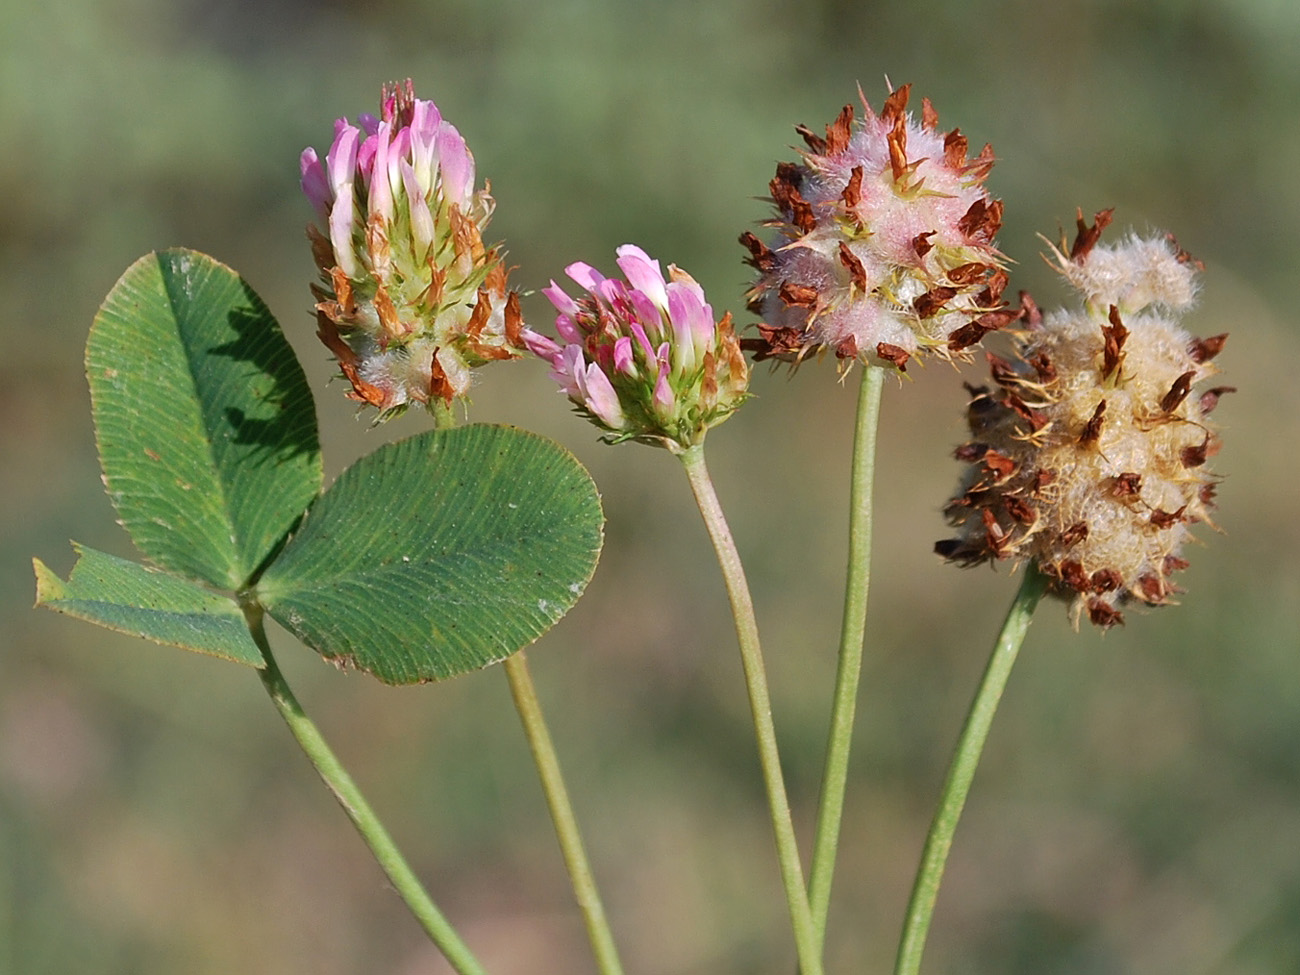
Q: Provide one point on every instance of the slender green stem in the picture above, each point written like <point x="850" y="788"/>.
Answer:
<point x="925" y="891"/>
<point x="858" y="577"/>
<point x="742" y="609"/>
<point x="566" y="824"/>
<point x="357" y="808"/>
<point x="529" y="708"/>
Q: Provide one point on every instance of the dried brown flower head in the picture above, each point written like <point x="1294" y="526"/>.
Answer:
<point x="1088" y="453"/>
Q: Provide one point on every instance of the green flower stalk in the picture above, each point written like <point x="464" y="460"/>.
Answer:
<point x="410" y="299"/>
<point x="1088" y="454"/>
<point x="882" y="249"/>
<point x="643" y="359"/>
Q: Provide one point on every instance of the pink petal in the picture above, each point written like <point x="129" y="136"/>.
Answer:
<point x="602" y="399"/>
<point x="366" y="157"/>
<point x="663" y="395"/>
<point x="612" y="291"/>
<point x="562" y="302"/>
<point x="541" y="346"/>
<point x="456" y="165"/>
<point x="643" y="340"/>
<point x="424" y="119"/>
<point x="623" y="358"/>
<point x="421" y="218"/>
<point x="342" y="217"/>
<point x="315" y="184"/>
<point x="650" y="314"/>
<point x="692" y="320"/>
<point x="341" y="160"/>
<point x="568" y="329"/>
<point x="570" y="371"/>
<point x="585" y="275"/>
<point x="381" y="189"/>
<point x="642" y="273"/>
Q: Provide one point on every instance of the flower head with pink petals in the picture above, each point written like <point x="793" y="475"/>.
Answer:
<point x="643" y="357"/>
<point x="410" y="299"/>
<point x="883" y="246"/>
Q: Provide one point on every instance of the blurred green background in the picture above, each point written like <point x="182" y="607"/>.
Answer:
<point x="1138" y="810"/>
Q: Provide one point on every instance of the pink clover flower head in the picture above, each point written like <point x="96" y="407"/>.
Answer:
<point x="882" y="246"/>
<point x="1088" y="452"/>
<point x="642" y="356"/>
<point x="410" y="300"/>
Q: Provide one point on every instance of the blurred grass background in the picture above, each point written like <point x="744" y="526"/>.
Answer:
<point x="1138" y="810"/>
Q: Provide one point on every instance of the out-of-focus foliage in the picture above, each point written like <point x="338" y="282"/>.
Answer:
<point x="1139" y="807"/>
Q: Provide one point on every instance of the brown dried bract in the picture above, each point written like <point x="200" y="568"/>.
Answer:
<point x="921" y="243"/>
<point x="1037" y="419"/>
<point x="954" y="149"/>
<point x="997" y="540"/>
<point x="852" y="193"/>
<point x="979" y="167"/>
<point x="1043" y="367"/>
<point x="1092" y="429"/>
<point x="785" y="194"/>
<point x="1103" y="614"/>
<point x="1177" y="392"/>
<point x="928" y="304"/>
<point x="814" y="142"/>
<point x="982" y="221"/>
<point x="322" y="251"/>
<point x="1203" y="350"/>
<point x="1105" y="580"/>
<point x="991" y="296"/>
<point x="1074" y="534"/>
<point x="1182" y="256"/>
<point x="857" y="273"/>
<point x="439" y="385"/>
<point x="1197" y="455"/>
<point x="1167" y="519"/>
<point x="1041" y="480"/>
<point x="798" y="295"/>
<point x="972" y="332"/>
<point x="1072" y="574"/>
<point x="893" y="354"/>
<point x="761" y="257"/>
<point x="361" y="391"/>
<point x="1020" y="509"/>
<point x="1126" y="485"/>
<point x="839" y="131"/>
<point x="774" y="342"/>
<point x="1210" y="398"/>
<point x="514" y="321"/>
<point x="1003" y="373"/>
<point x="897" y="141"/>
<point x="1087" y="237"/>
<point x="1152" y="588"/>
<point x="895" y="104"/>
<point x="964" y="274"/>
<point x="1031" y="315"/>
<point x="1113" y="351"/>
<point x="999" y="465"/>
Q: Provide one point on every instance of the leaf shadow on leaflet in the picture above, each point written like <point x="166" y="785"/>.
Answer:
<point x="284" y="427"/>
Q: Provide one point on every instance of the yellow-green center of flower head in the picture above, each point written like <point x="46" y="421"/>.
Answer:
<point x="410" y="299"/>
<point x="883" y="243"/>
<point x="643" y="358"/>
<point x="1088" y="454"/>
